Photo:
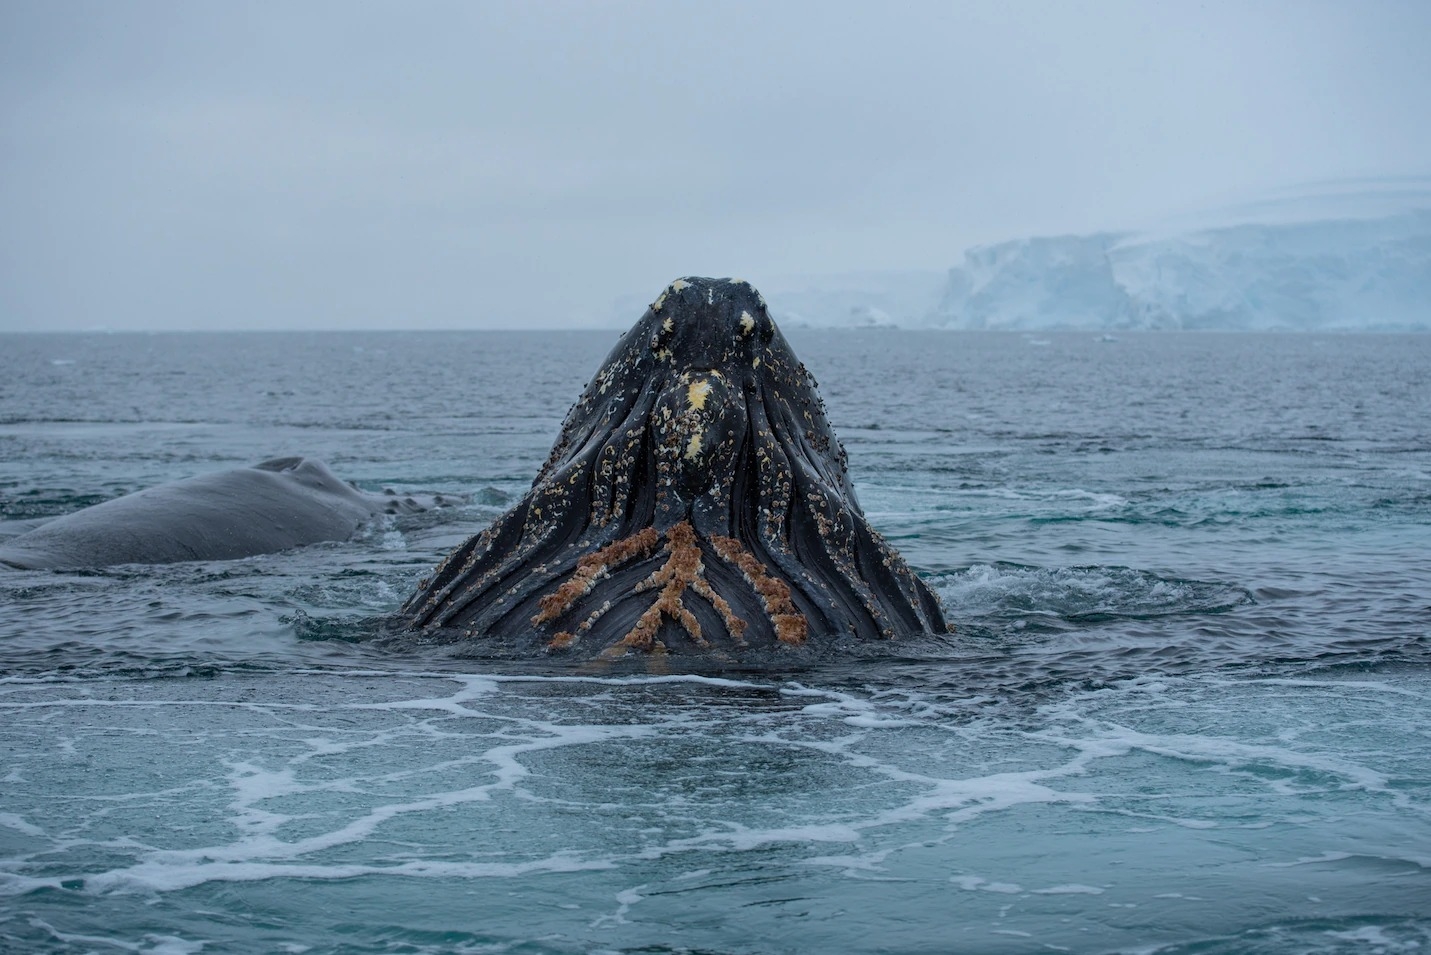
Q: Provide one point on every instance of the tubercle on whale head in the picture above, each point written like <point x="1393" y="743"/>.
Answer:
<point x="696" y="427"/>
<point x="705" y="324"/>
<point x="707" y="338"/>
<point x="719" y="328"/>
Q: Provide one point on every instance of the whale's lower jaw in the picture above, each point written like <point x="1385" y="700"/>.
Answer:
<point x="679" y="606"/>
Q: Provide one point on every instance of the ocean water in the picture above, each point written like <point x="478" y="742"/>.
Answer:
<point x="1187" y="707"/>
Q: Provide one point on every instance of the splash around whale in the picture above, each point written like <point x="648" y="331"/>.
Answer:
<point x="696" y="501"/>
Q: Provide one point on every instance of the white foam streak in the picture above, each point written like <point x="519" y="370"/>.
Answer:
<point x="1111" y="739"/>
<point x="882" y="772"/>
<point x="150" y="944"/>
<point x="165" y="877"/>
<point x="17" y="822"/>
<point x="253" y="785"/>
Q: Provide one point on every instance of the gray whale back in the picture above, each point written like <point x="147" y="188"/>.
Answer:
<point x="272" y="506"/>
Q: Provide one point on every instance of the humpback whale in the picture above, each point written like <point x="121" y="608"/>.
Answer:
<point x="696" y="500"/>
<point x="272" y="506"/>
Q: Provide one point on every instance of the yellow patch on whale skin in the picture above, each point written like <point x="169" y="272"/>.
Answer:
<point x="696" y="394"/>
<point x="747" y="323"/>
<point x="666" y="325"/>
<point x="679" y="284"/>
<point x="693" y="447"/>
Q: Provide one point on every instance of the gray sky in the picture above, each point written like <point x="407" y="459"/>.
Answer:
<point x="402" y="165"/>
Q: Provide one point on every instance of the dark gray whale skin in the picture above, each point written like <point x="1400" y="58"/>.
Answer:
<point x="696" y="501"/>
<point x="272" y="506"/>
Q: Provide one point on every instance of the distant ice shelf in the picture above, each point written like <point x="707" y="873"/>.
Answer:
<point x="1349" y="256"/>
<point x="1335" y="274"/>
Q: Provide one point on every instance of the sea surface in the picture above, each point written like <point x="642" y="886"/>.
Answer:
<point x="1187" y="707"/>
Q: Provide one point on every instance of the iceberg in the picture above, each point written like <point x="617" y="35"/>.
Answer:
<point x="1052" y="282"/>
<point x="1348" y="256"/>
<point x="1310" y="274"/>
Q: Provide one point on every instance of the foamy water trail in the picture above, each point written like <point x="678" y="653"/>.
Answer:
<point x="638" y="798"/>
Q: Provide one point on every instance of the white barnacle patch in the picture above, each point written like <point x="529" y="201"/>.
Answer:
<point x="667" y="325"/>
<point x="747" y="323"/>
<point x="755" y="363"/>
<point x="697" y="393"/>
<point x="710" y="296"/>
<point x="660" y="300"/>
<point x="679" y="284"/>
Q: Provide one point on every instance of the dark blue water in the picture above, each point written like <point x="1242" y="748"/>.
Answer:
<point x="1187" y="709"/>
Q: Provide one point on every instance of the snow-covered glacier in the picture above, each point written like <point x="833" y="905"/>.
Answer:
<point x="1346" y="255"/>
<point x="1336" y="273"/>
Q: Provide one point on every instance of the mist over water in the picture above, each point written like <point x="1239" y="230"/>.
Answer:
<point x="1186" y="707"/>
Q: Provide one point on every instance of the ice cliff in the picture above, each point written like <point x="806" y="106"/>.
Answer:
<point x="1343" y="255"/>
<point x="1347" y="273"/>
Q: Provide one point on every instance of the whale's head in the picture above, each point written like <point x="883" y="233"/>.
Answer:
<point x="686" y="386"/>
<point x="696" y="492"/>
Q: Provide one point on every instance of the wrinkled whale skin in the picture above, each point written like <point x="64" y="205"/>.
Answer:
<point x="272" y="506"/>
<point x="696" y="500"/>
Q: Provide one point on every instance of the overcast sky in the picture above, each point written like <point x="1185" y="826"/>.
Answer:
<point x="470" y="164"/>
